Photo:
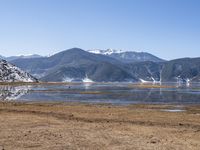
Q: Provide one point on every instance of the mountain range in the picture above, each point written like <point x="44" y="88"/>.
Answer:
<point x="109" y="66"/>
<point x="10" y="58"/>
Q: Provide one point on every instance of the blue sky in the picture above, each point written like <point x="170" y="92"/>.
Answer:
<point x="166" y="28"/>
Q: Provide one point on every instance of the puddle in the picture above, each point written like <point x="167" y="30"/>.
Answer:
<point x="173" y="110"/>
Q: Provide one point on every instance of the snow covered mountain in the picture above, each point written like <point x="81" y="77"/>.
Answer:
<point x="127" y="56"/>
<point x="105" y="52"/>
<point x="11" y="73"/>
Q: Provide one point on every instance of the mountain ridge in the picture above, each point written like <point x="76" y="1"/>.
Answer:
<point x="76" y="64"/>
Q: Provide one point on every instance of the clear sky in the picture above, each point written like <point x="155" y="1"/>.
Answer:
<point x="166" y="28"/>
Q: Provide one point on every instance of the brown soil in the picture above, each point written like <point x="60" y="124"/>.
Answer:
<point x="57" y="126"/>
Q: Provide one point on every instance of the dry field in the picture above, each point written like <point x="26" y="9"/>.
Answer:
<point x="61" y="126"/>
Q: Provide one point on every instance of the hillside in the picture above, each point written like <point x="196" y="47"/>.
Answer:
<point x="11" y="73"/>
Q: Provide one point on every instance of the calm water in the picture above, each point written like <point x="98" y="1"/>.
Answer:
<point x="114" y="93"/>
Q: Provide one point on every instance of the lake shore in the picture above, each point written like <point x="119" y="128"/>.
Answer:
<point x="98" y="126"/>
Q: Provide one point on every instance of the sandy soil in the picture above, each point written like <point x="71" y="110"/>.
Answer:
<point x="60" y="126"/>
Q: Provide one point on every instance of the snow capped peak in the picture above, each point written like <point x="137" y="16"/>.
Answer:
<point x="105" y="52"/>
<point x="127" y="55"/>
<point x="27" y="55"/>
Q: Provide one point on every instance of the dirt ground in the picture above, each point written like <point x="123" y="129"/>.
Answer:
<point x="61" y="126"/>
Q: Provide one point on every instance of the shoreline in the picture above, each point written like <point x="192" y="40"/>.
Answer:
<point x="97" y="126"/>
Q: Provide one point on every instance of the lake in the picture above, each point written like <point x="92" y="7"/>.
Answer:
<point x="113" y="93"/>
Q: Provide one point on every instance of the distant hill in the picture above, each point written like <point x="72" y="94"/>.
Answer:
<point x="10" y="58"/>
<point x="182" y="70"/>
<point x="22" y="56"/>
<point x="179" y="70"/>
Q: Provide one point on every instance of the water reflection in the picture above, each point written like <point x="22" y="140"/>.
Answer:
<point x="13" y="92"/>
<point x="115" y="93"/>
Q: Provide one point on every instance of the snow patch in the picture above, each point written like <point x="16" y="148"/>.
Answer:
<point x="153" y="81"/>
<point x="87" y="80"/>
<point x="68" y="79"/>
<point x="105" y="52"/>
<point x="144" y="81"/>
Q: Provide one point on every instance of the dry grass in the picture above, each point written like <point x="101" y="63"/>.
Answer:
<point x="60" y="126"/>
